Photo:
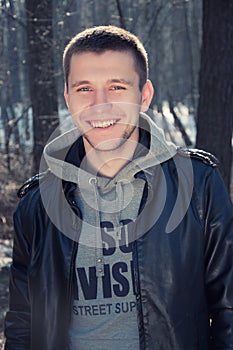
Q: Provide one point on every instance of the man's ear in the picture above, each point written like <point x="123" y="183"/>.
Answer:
<point x="147" y="95"/>
<point x="66" y="96"/>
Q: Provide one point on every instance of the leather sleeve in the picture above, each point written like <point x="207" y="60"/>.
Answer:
<point x="218" y="218"/>
<point x="17" y="321"/>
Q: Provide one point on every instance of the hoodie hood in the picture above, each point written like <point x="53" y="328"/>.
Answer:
<point x="152" y="150"/>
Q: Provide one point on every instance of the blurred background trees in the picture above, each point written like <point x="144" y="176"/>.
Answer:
<point x="215" y="109"/>
<point x="41" y="73"/>
<point x="34" y="33"/>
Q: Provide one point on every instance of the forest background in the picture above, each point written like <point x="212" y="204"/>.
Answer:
<point x="190" y="49"/>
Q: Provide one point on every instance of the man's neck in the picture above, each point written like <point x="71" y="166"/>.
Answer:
<point x="109" y="163"/>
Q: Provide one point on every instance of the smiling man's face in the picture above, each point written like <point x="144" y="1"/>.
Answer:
<point x="104" y="98"/>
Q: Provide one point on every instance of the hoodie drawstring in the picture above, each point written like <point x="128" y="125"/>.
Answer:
<point x="99" y="246"/>
<point x="119" y="202"/>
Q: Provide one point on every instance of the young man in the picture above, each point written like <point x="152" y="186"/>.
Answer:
<point x="126" y="242"/>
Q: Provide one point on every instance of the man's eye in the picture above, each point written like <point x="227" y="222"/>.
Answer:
<point x="118" y="87"/>
<point x="84" y="88"/>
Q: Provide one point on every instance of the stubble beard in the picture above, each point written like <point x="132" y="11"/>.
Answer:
<point x="120" y="141"/>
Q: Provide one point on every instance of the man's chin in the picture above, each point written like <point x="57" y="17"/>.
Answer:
<point x="106" y="146"/>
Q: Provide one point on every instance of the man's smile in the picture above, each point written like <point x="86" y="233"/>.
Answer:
<point x="102" y="123"/>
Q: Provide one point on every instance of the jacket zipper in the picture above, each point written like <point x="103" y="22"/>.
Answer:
<point x="72" y="271"/>
<point x="70" y="290"/>
<point x="138" y="297"/>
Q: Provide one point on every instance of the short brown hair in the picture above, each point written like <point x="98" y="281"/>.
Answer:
<point x="102" y="38"/>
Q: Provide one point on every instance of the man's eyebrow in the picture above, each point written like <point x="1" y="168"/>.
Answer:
<point x="81" y="82"/>
<point x="122" y="81"/>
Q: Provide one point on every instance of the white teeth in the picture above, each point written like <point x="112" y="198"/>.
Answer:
<point x="103" y="124"/>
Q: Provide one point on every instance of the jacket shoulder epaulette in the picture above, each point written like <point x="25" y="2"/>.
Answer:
<point x="199" y="154"/>
<point x="31" y="183"/>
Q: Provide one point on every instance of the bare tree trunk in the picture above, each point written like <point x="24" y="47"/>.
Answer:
<point x="21" y="36"/>
<point x="41" y="74"/>
<point x="4" y="81"/>
<point x="215" y="109"/>
<point x="121" y="15"/>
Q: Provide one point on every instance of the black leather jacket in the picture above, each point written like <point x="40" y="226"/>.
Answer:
<point x="183" y="264"/>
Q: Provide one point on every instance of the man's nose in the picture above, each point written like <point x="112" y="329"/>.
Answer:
<point x="101" y="101"/>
